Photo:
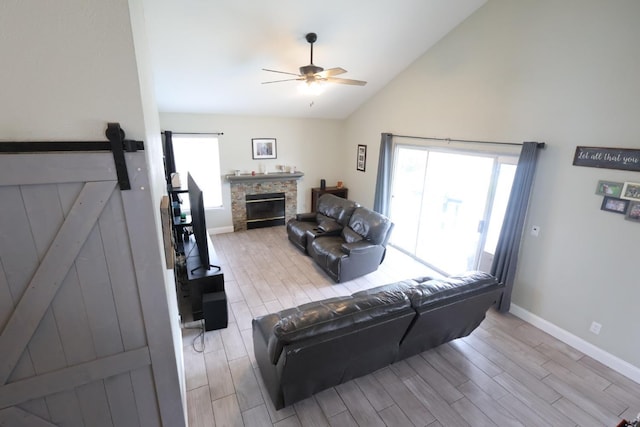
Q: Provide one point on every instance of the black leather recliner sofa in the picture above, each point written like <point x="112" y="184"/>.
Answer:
<point x="344" y="239"/>
<point x="303" y="350"/>
<point x="330" y="217"/>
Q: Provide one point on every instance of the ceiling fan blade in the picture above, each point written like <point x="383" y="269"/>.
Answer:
<point x="285" y="80"/>
<point x="281" y="72"/>
<point x="331" y="72"/>
<point x="346" y="81"/>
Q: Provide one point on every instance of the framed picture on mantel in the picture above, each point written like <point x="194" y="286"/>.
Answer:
<point x="264" y="148"/>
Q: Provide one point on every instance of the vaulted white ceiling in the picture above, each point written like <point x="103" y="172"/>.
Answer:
<point x="207" y="56"/>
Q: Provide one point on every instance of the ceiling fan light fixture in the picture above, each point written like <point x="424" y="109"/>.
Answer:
<point x="312" y="87"/>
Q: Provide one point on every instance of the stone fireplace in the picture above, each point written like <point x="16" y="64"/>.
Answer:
<point x="249" y="185"/>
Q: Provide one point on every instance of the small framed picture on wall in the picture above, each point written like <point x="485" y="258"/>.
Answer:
<point x="631" y="191"/>
<point x="264" y="148"/>
<point x="633" y="212"/>
<point x="613" y="204"/>
<point x="361" y="158"/>
<point x="609" y="188"/>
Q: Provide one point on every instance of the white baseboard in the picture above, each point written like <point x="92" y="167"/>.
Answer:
<point x="220" y="230"/>
<point x="608" y="359"/>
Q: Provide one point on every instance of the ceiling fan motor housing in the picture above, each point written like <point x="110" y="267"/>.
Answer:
<point x="309" y="70"/>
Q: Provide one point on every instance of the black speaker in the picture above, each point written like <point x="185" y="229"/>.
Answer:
<point x="323" y="184"/>
<point x="214" y="310"/>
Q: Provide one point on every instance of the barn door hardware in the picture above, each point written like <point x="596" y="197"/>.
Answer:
<point x="119" y="145"/>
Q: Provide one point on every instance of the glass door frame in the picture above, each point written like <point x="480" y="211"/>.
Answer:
<point x="499" y="160"/>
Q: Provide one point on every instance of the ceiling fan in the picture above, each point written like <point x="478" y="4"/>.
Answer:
<point x="313" y="74"/>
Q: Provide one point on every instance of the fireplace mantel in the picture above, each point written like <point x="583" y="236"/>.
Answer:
<point x="259" y="177"/>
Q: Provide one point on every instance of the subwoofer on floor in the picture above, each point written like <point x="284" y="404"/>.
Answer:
<point x="214" y="310"/>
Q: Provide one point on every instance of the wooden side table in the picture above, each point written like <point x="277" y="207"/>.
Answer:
<point x="317" y="192"/>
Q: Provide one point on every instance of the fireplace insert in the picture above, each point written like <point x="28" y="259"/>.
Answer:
<point x="265" y="210"/>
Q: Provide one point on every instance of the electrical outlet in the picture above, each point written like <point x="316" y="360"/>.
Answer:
<point x="595" y="327"/>
<point x="535" y="231"/>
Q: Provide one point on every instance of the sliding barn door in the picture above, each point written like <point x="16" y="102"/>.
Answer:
<point x="85" y="335"/>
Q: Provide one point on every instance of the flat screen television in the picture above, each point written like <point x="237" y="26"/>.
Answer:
<point x="198" y="224"/>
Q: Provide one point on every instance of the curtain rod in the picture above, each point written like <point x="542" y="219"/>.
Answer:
<point x="195" y="133"/>
<point x="540" y="144"/>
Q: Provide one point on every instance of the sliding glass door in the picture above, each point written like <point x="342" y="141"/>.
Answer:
<point x="502" y="188"/>
<point x="442" y="204"/>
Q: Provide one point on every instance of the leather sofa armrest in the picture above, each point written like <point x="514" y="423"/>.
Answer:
<point x="360" y="247"/>
<point x="330" y="227"/>
<point x="307" y="216"/>
<point x="325" y="228"/>
<point x="263" y="327"/>
<point x="313" y="233"/>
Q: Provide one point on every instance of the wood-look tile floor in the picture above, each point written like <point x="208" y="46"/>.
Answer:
<point x="506" y="373"/>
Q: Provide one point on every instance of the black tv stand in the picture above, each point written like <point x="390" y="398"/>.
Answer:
<point x="205" y="283"/>
<point x="209" y="267"/>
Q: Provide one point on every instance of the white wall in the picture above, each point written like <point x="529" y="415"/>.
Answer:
<point x="561" y="72"/>
<point x="154" y="155"/>
<point x="314" y="147"/>
<point x="67" y="70"/>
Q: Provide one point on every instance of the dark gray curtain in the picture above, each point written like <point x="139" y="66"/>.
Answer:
<point x="506" y="256"/>
<point x="383" y="181"/>
<point x="169" y="160"/>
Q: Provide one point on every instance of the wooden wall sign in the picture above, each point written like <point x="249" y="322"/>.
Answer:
<point x="607" y="158"/>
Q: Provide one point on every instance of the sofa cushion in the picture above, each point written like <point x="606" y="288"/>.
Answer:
<point x="336" y="208"/>
<point x="370" y="225"/>
<point x="351" y="236"/>
<point x="403" y="286"/>
<point x="334" y="315"/>
<point x="433" y="292"/>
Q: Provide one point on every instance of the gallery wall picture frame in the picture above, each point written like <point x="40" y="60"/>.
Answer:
<point x="613" y="204"/>
<point x="631" y="191"/>
<point x="361" y="158"/>
<point x="633" y="212"/>
<point x="609" y="188"/>
<point x="264" y="148"/>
